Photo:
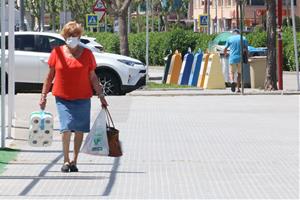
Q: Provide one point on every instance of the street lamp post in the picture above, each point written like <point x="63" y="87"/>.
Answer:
<point x="242" y="43"/>
<point x="295" y="43"/>
<point x="147" y="40"/>
<point x="279" y="38"/>
<point x="3" y="82"/>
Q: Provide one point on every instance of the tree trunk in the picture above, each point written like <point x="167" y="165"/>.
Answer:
<point x="271" y="79"/>
<point x="124" y="48"/>
<point x="178" y="17"/>
<point x="166" y="22"/>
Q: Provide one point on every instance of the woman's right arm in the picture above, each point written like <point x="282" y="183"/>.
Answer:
<point x="46" y="87"/>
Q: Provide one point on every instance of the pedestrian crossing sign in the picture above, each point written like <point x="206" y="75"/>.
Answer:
<point x="92" y="20"/>
<point x="203" y="20"/>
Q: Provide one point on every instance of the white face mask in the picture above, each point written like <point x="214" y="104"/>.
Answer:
<point x="72" y="42"/>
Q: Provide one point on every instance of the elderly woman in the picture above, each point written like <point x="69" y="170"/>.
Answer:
<point x="72" y="69"/>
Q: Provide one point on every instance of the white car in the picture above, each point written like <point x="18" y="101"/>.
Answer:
<point x="118" y="74"/>
<point x="91" y="43"/>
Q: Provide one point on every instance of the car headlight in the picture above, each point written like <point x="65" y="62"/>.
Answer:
<point x="129" y="62"/>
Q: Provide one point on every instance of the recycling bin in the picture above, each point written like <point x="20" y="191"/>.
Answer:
<point x="258" y="71"/>
<point x="225" y="69"/>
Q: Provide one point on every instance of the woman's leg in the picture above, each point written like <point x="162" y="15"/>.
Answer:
<point x="66" y="145"/>
<point x="77" y="144"/>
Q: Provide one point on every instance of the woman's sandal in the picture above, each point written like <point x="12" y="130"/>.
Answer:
<point x="65" y="167"/>
<point x="73" y="167"/>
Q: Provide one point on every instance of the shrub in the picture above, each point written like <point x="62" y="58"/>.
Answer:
<point x="160" y="43"/>
<point x="288" y="50"/>
<point x="109" y="41"/>
<point x="258" y="38"/>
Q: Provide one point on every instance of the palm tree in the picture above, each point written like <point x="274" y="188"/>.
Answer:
<point x="271" y="80"/>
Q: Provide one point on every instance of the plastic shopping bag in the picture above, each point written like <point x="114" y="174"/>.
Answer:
<point x="96" y="141"/>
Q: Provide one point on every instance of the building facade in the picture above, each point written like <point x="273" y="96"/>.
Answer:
<point x="224" y="14"/>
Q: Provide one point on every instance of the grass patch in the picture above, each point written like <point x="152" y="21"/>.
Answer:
<point x="6" y="155"/>
<point x="153" y="85"/>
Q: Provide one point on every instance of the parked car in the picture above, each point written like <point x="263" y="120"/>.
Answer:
<point x="92" y="44"/>
<point x="118" y="74"/>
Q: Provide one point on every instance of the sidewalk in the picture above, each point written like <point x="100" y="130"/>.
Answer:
<point x="184" y="147"/>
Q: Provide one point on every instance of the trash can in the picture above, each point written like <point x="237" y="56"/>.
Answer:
<point x="257" y="71"/>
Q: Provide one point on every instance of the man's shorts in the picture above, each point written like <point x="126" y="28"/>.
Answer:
<point x="235" y="67"/>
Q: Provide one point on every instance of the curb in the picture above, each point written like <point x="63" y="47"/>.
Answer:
<point x="199" y="92"/>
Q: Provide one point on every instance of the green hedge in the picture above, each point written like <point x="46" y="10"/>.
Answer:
<point x="288" y="49"/>
<point x="159" y="46"/>
<point x="259" y="39"/>
<point x="109" y="41"/>
<point x="178" y="39"/>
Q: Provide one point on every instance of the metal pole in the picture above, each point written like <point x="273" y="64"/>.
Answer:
<point x="147" y="40"/>
<point x="237" y="13"/>
<point x="42" y="11"/>
<point x="11" y="64"/>
<point x="279" y="39"/>
<point x="65" y="12"/>
<point x="105" y="17"/>
<point x="208" y="18"/>
<point x="152" y="17"/>
<point x="129" y="17"/>
<point x="22" y="13"/>
<point x="295" y="43"/>
<point x="216" y="23"/>
<point x="3" y="82"/>
<point x="242" y="44"/>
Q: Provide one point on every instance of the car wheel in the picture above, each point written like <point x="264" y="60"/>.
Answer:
<point x="110" y="83"/>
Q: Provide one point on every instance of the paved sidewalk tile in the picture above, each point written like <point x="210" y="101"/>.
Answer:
<point x="185" y="147"/>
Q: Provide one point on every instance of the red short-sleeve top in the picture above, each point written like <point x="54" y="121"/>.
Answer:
<point x="72" y="75"/>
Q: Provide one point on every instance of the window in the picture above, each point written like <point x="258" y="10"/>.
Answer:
<point x="257" y="2"/>
<point x="46" y="43"/>
<point x="24" y="43"/>
<point x="284" y="2"/>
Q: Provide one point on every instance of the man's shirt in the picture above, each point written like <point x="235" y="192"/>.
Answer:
<point x="234" y="44"/>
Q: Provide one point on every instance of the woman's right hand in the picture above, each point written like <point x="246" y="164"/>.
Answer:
<point x="43" y="102"/>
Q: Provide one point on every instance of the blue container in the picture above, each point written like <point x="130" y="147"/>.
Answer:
<point x="187" y="68"/>
<point x="196" y="68"/>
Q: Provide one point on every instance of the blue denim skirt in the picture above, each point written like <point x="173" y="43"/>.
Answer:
<point x="74" y="115"/>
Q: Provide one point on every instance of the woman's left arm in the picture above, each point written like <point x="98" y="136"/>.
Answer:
<point x="98" y="88"/>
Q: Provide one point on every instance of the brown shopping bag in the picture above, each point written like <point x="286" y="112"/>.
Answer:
<point x="114" y="144"/>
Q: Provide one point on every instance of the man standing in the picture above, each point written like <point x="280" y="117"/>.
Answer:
<point x="234" y="44"/>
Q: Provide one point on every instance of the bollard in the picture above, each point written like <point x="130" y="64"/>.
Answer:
<point x="175" y="67"/>
<point x="186" y="67"/>
<point x="196" y="68"/>
<point x="204" y="63"/>
<point x="167" y="67"/>
<point x="214" y="78"/>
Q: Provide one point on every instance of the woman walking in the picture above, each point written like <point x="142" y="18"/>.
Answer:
<point x="72" y="69"/>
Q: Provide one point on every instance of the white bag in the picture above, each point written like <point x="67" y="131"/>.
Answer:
<point x="96" y="141"/>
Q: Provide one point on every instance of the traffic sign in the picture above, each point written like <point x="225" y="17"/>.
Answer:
<point x="203" y="20"/>
<point x="100" y="15"/>
<point x="99" y="9"/>
<point x="92" y="20"/>
<point x="99" y="6"/>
